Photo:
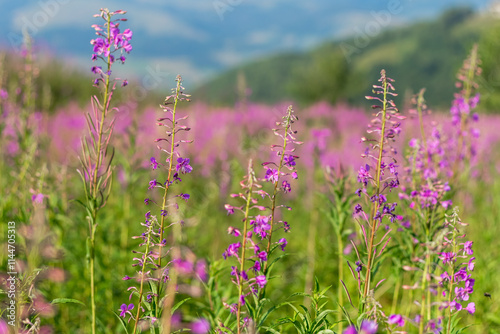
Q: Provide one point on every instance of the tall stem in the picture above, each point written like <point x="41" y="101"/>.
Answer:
<point x="94" y="184"/>
<point x="375" y="205"/>
<point x="468" y="83"/>
<point x="167" y="183"/>
<point x="243" y="246"/>
<point x="340" y="292"/>
<point x="276" y="185"/>
<point x="143" y="275"/>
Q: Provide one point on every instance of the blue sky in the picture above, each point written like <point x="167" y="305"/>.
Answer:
<point x="200" y="38"/>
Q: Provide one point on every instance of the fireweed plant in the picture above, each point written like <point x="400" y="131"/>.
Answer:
<point x="157" y="280"/>
<point x="425" y="200"/>
<point x="97" y="156"/>
<point x="462" y="143"/>
<point x="256" y="245"/>
<point x="457" y="265"/>
<point x="338" y="212"/>
<point x="378" y="177"/>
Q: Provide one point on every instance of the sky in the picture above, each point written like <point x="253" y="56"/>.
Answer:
<point x="201" y="38"/>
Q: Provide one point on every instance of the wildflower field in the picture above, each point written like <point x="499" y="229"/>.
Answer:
<point x="118" y="217"/>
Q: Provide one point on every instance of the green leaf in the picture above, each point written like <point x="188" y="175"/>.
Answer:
<point x="122" y="321"/>
<point x="176" y="306"/>
<point x="66" y="300"/>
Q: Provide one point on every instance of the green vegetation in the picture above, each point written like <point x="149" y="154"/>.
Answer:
<point x="425" y="54"/>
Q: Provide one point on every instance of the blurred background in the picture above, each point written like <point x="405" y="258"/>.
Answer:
<point x="305" y="51"/>
<point x="243" y="62"/>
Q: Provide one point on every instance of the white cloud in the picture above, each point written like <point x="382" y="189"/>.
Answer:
<point x="260" y="37"/>
<point x="168" y="68"/>
<point x="66" y="14"/>
<point x="229" y="57"/>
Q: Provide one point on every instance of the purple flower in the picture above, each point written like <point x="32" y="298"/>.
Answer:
<point x="468" y="248"/>
<point x="152" y="184"/>
<point x="261" y="281"/>
<point x="363" y="175"/>
<point x="447" y="257"/>
<point x="471" y="308"/>
<point x="369" y="327"/>
<point x="286" y="187"/>
<point x="256" y="266"/>
<point x="183" y="166"/>
<point x="396" y="319"/>
<point x="289" y="160"/>
<point x="261" y="225"/>
<point x="229" y="208"/>
<point x="232" y="250"/>
<point x="351" y="330"/>
<point x="184" y="196"/>
<point x="201" y="270"/>
<point x="271" y="175"/>
<point x="262" y="256"/>
<point x="37" y="198"/>
<point x="3" y="94"/>
<point x="282" y="243"/>
<point x="154" y="163"/>
<point x="470" y="265"/>
<point x="359" y="266"/>
<point x="455" y="306"/>
<point x="96" y="69"/>
<point x="125" y="309"/>
<point x="200" y="326"/>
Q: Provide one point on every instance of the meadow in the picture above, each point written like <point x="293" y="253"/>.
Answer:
<point x="178" y="216"/>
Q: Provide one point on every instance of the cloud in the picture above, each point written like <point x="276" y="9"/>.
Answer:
<point x="169" y="68"/>
<point x="154" y="19"/>
<point x="260" y="37"/>
<point x="229" y="57"/>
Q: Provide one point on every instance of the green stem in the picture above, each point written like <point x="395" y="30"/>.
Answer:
<point x="375" y="205"/>
<point x="172" y="283"/>
<point x="94" y="181"/>
<point x="276" y="186"/>
<point x="395" y="297"/>
<point x="340" y="292"/>
<point x="167" y="183"/>
<point x="141" y="289"/>
<point x="243" y="246"/>
<point x="425" y="300"/>
<point x="92" y="270"/>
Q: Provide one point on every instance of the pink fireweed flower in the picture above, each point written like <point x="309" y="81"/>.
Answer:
<point x="154" y="263"/>
<point x="367" y="327"/>
<point x="200" y="326"/>
<point x="396" y="319"/>
<point x="471" y="308"/>
<point x="271" y="175"/>
<point x="378" y="176"/>
<point x="183" y="166"/>
<point x="126" y="309"/>
<point x="468" y="248"/>
<point x="261" y="281"/>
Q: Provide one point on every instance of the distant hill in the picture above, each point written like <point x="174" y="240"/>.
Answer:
<point x="426" y="54"/>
